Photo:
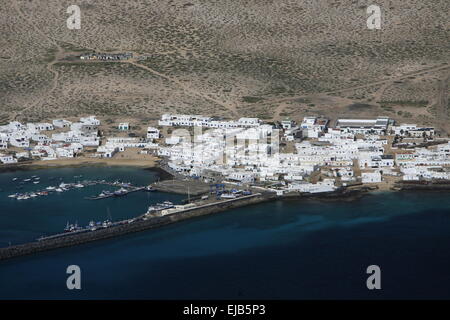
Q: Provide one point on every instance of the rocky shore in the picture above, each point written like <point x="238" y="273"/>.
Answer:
<point x="423" y="185"/>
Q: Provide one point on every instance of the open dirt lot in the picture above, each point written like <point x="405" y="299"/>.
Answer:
<point x="264" y="58"/>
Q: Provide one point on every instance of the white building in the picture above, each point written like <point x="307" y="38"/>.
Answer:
<point x="287" y="124"/>
<point x="91" y="120"/>
<point x="371" y="177"/>
<point x="312" y="126"/>
<point x="175" y="120"/>
<point x="327" y="185"/>
<point x="364" y="126"/>
<point x="7" y="159"/>
<point x="61" y="123"/>
<point x="152" y="133"/>
<point x="413" y="130"/>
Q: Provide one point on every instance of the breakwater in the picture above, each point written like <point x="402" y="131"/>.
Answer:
<point x="138" y="225"/>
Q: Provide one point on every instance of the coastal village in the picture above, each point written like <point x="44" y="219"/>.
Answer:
<point x="313" y="156"/>
<point x="225" y="164"/>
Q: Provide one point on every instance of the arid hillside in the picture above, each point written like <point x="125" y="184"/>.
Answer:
<point x="229" y="58"/>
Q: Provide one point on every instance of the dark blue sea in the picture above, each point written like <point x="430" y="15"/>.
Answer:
<point x="305" y="249"/>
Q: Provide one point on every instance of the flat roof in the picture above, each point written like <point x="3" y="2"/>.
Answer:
<point x="363" y="123"/>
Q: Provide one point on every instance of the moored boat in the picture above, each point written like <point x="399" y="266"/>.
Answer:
<point x="120" y="192"/>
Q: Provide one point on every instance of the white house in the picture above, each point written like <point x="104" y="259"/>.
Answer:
<point x="61" y="123"/>
<point x="371" y="177"/>
<point x="91" y="120"/>
<point x="7" y="159"/>
<point x="413" y="130"/>
<point x="152" y="133"/>
<point x="287" y="124"/>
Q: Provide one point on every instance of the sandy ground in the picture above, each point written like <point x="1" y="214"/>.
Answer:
<point x="148" y="162"/>
<point x="267" y="59"/>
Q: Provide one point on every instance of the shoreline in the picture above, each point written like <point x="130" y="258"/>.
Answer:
<point x="79" y="162"/>
<point x="342" y="194"/>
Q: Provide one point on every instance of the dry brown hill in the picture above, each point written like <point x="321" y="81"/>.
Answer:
<point x="268" y="59"/>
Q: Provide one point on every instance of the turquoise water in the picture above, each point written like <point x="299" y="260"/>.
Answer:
<point x="280" y="250"/>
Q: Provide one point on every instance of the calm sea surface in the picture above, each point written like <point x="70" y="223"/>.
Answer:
<point x="279" y="250"/>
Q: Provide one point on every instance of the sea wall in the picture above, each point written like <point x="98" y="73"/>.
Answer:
<point x="137" y="226"/>
<point x="443" y="185"/>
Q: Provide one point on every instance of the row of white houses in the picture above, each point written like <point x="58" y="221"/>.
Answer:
<point x="39" y="141"/>
<point x="247" y="149"/>
<point x="353" y="141"/>
<point x="175" y="120"/>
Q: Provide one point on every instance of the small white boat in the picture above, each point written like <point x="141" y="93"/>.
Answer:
<point x="227" y="196"/>
<point x="14" y="179"/>
<point x="79" y="185"/>
<point x="35" y="182"/>
<point x="50" y="188"/>
<point x="59" y="190"/>
<point x="12" y="196"/>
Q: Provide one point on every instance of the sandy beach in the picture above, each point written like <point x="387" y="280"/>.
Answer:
<point x="144" y="162"/>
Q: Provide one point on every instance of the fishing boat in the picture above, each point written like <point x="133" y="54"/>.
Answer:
<point x="72" y="227"/>
<point x="106" y="223"/>
<point x="120" y="192"/>
<point x="91" y="226"/>
<point x="160" y="206"/>
<point x="227" y="196"/>
<point x="105" y="193"/>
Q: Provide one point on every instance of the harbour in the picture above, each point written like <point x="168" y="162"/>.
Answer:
<point x="273" y="249"/>
<point x="220" y="197"/>
<point x="125" y="188"/>
<point x="140" y="223"/>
